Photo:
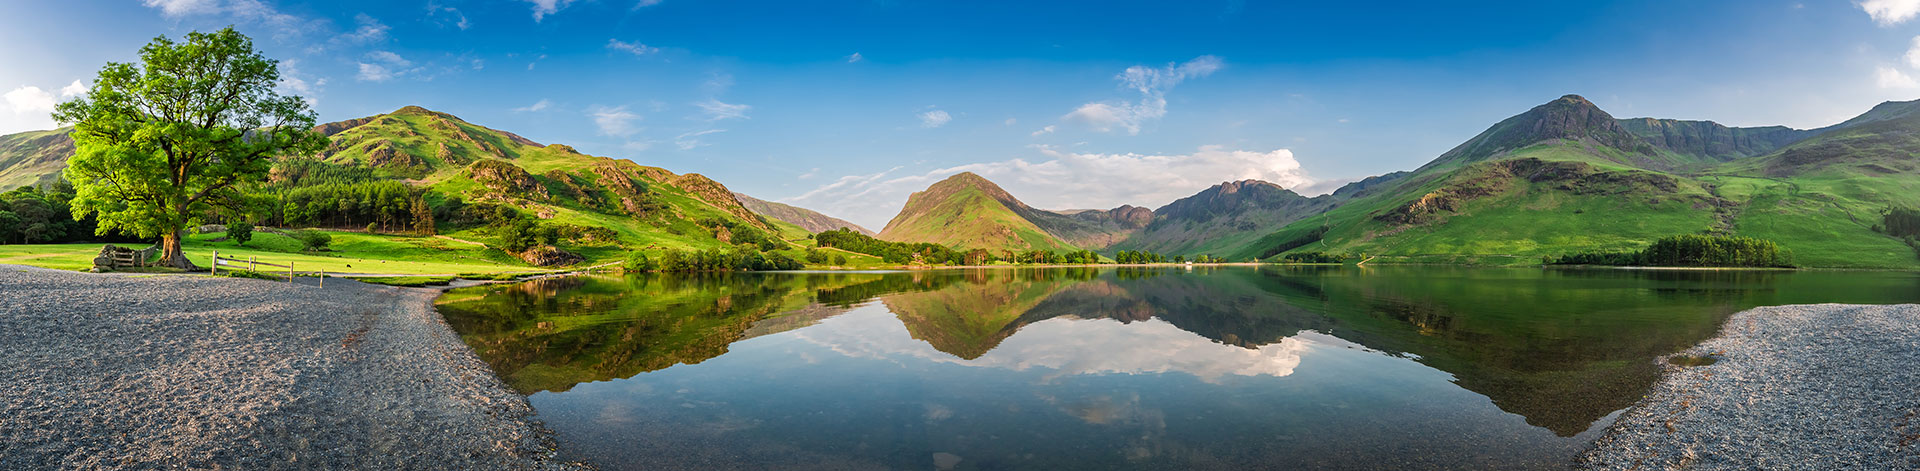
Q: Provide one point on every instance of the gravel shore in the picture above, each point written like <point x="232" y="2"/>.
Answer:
<point x="182" y="371"/>
<point x="1795" y="387"/>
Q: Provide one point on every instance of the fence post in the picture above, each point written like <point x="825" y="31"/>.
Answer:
<point x="250" y="262"/>
<point x="215" y="269"/>
<point x="289" y="272"/>
<point x="323" y="278"/>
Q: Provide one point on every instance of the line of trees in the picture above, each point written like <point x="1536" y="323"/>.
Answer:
<point x="1133" y="257"/>
<point x="710" y="260"/>
<point x="1690" y="250"/>
<point x="389" y="205"/>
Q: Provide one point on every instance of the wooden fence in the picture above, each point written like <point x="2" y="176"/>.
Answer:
<point x="252" y="265"/>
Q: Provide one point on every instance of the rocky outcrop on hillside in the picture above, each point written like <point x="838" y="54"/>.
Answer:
<point x="507" y="179"/>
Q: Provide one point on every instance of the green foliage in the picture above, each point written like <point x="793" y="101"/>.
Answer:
<point x="380" y="203"/>
<point x="816" y="256"/>
<point x="312" y="240"/>
<point x="1134" y="257"/>
<point x="1296" y="242"/>
<point x="891" y="252"/>
<point x="637" y="261"/>
<point x="1900" y="222"/>
<point x="1313" y="257"/>
<point x="840" y="260"/>
<point x="720" y="260"/>
<point x="240" y="232"/>
<point x="30" y="215"/>
<point x="1689" y="251"/>
<point x="164" y="141"/>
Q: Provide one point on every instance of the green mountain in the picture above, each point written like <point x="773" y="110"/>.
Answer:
<point x="966" y="210"/>
<point x="807" y="219"/>
<point x="28" y="157"/>
<point x="600" y="204"/>
<point x="1224" y="217"/>
<point x="1566" y="177"/>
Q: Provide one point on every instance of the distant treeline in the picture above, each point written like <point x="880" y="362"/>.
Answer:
<point x="1132" y="257"/>
<point x="742" y="258"/>
<point x="1313" y="257"/>
<point x="936" y="254"/>
<point x="43" y="215"/>
<point x="1294" y="243"/>
<point x="1689" y="251"/>
<point x="1903" y="224"/>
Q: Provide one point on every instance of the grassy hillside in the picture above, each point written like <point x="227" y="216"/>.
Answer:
<point x="1223" y="218"/>
<point x="968" y="211"/>
<point x="1511" y="204"/>
<point x="806" y="219"/>
<point x="29" y="157"/>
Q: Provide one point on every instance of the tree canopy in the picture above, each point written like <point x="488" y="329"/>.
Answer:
<point x="164" y="141"/>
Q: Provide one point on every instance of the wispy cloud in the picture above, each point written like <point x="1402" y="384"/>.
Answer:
<point x="1888" y="77"/>
<point x="717" y="110"/>
<point x="1152" y="84"/>
<point x="935" y="118"/>
<point x="369" y="31"/>
<point x="446" y="14"/>
<point x="177" y="8"/>
<point x="635" y="48"/>
<point x="382" y="66"/>
<point x="691" y="140"/>
<point x="1045" y="131"/>
<point x="1058" y="179"/>
<point x="542" y="8"/>
<point x="614" y="121"/>
<point x="541" y="105"/>
<point x="856" y="57"/>
<point x="1891" y="12"/>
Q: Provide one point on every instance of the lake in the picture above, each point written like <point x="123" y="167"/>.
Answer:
<point x="1266" y="367"/>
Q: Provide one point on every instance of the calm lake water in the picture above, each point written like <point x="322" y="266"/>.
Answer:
<point x="1164" y="368"/>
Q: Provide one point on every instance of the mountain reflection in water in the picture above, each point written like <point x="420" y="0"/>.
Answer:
<point x="1559" y="349"/>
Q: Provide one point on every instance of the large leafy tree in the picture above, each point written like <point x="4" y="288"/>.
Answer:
<point x="162" y="142"/>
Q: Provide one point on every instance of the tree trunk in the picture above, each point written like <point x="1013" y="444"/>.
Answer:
<point x="170" y="254"/>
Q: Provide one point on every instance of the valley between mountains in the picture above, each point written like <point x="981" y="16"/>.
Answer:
<point x="1563" y="177"/>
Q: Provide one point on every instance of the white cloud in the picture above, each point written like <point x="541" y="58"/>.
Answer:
<point x="177" y="8"/>
<point x="691" y="140"/>
<point x="1063" y="180"/>
<point x="390" y="58"/>
<point x="1913" y="53"/>
<point x="282" y="25"/>
<point x="717" y="110"/>
<point x="1064" y="346"/>
<point x="856" y="57"/>
<point x="1888" y="77"/>
<point x="76" y="88"/>
<point x="27" y="108"/>
<point x="459" y="19"/>
<point x="373" y="73"/>
<point x="645" y="3"/>
<point x="30" y="99"/>
<point x="542" y="8"/>
<point x="1153" y="84"/>
<point x="296" y="83"/>
<point x="541" y="105"/>
<point x="383" y="66"/>
<point x="1046" y="130"/>
<point x="635" y="48"/>
<point x="369" y="32"/>
<point x="810" y="173"/>
<point x="1891" y="12"/>
<point x="616" y="122"/>
<point x="935" y="118"/>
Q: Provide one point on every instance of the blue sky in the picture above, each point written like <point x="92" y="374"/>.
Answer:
<point x="848" y="106"/>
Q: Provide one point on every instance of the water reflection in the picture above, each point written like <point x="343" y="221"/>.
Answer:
<point x="1148" y="368"/>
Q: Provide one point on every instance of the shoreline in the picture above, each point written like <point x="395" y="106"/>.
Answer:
<point x="1822" y="386"/>
<point x="128" y="372"/>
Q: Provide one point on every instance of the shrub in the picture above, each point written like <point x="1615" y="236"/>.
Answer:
<point x="240" y="232"/>
<point x="637" y="261"/>
<point x="816" y="256"/>
<point x="1690" y="251"/>
<point x="313" y="240"/>
<point x="840" y="260"/>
